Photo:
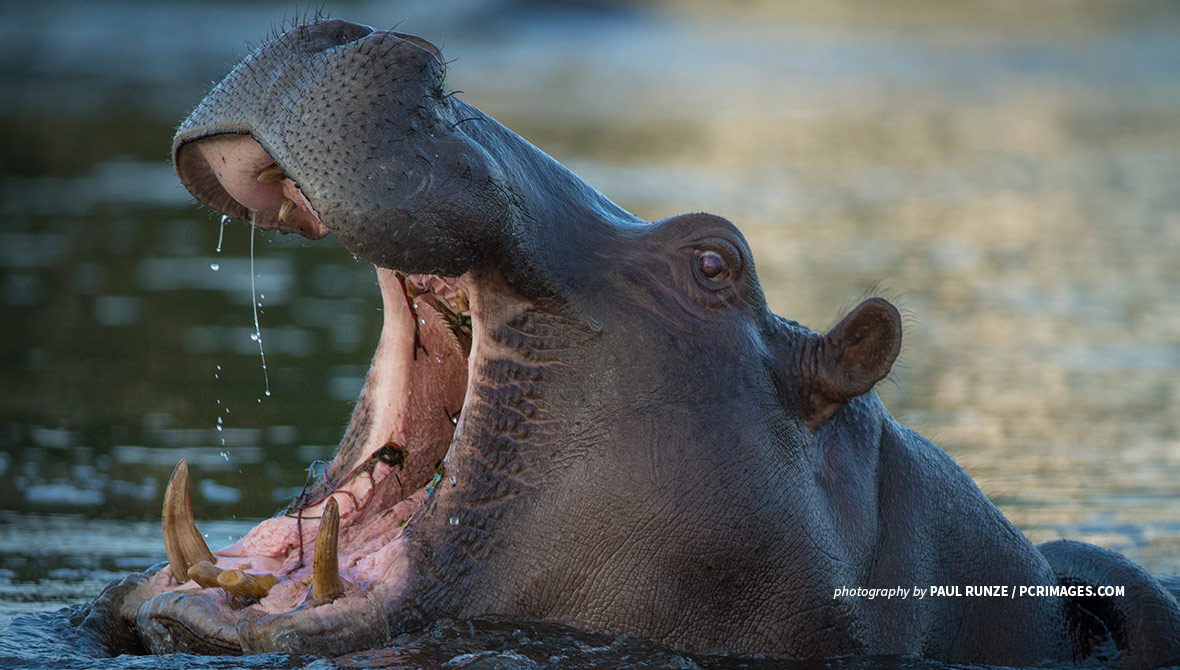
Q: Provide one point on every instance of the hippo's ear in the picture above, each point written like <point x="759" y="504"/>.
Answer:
<point x="854" y="355"/>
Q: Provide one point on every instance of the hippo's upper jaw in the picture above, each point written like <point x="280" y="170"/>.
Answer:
<point x="335" y="127"/>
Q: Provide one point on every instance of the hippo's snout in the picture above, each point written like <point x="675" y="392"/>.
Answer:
<point x="336" y="127"/>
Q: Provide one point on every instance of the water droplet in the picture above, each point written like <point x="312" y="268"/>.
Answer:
<point x="219" y="400"/>
<point x="261" y="297"/>
<point x="422" y="321"/>
<point x="219" y="421"/>
<point x="452" y="480"/>
<point x="225" y="455"/>
<point x="594" y="324"/>
<point x="218" y="367"/>
<point x="221" y="233"/>
<point x="267" y="393"/>
<point x="437" y="359"/>
<point x="455" y="420"/>
<point x="219" y="428"/>
<point x="454" y="521"/>
<point x="257" y="336"/>
<point x="215" y="266"/>
<point x="216" y="376"/>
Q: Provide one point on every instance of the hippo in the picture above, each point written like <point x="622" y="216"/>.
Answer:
<point x="577" y="416"/>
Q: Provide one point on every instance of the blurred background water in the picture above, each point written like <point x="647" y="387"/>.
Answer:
<point x="1008" y="172"/>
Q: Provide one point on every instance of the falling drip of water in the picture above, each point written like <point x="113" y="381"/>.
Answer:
<point x="454" y="521"/>
<point x="221" y="234"/>
<point x="215" y="266"/>
<point x="257" y="336"/>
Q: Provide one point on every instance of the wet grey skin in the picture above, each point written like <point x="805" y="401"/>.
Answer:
<point x="643" y="446"/>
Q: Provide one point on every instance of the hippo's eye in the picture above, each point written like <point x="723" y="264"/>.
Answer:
<point x="712" y="264"/>
<point x="718" y="263"/>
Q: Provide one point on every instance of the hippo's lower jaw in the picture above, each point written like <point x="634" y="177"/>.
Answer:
<point x="266" y="592"/>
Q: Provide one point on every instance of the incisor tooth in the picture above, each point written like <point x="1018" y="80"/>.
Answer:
<point x="204" y="573"/>
<point x="270" y="174"/>
<point x="245" y="585"/>
<point x="183" y="543"/>
<point x="325" y="571"/>
<point x="285" y="209"/>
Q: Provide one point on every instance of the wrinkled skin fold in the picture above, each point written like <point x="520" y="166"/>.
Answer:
<point x="577" y="416"/>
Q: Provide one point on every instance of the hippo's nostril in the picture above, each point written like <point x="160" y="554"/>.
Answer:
<point x="424" y="44"/>
<point x="327" y="34"/>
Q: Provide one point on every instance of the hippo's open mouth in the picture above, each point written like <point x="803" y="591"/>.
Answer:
<point x="336" y="550"/>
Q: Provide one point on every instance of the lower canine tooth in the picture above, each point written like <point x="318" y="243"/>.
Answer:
<point x="325" y="580"/>
<point x="285" y="209"/>
<point x="238" y="583"/>
<point x="183" y="543"/>
<point x="205" y="574"/>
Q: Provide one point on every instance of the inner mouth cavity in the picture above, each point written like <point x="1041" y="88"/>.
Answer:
<point x="340" y="534"/>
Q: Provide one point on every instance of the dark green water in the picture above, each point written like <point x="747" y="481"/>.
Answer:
<point x="1009" y="176"/>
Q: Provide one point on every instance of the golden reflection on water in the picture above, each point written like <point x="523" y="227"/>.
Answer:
<point x="1015" y="188"/>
